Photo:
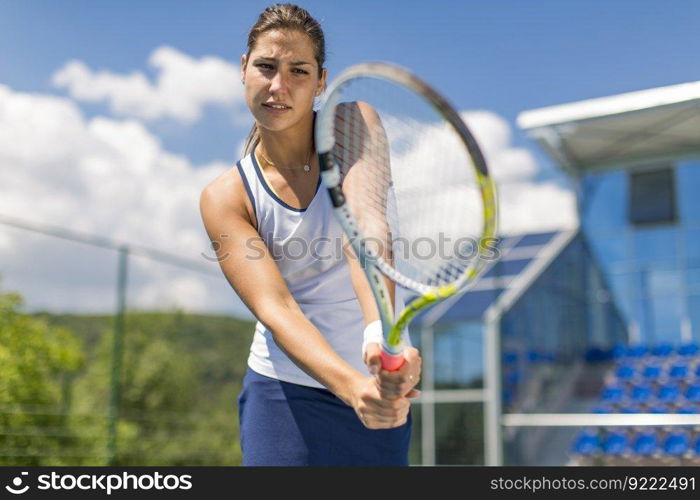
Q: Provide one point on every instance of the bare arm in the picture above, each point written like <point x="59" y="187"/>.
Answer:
<point x="366" y="184"/>
<point x="366" y="181"/>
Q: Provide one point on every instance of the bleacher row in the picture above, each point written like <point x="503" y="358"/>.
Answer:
<point x="659" y="379"/>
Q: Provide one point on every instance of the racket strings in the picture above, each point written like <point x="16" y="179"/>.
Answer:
<point x="409" y="181"/>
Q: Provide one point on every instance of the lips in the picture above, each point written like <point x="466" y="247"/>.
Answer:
<point x="276" y="107"/>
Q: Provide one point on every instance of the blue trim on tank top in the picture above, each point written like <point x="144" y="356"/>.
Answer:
<point x="272" y="193"/>
<point x="247" y="186"/>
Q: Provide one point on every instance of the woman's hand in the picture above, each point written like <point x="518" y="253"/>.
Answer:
<point x="375" y="411"/>
<point x="399" y="383"/>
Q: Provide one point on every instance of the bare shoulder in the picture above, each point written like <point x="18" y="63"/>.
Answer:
<point x="357" y="109"/>
<point x="225" y="194"/>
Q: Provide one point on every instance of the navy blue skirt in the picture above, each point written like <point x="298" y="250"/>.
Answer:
<point x="285" y="424"/>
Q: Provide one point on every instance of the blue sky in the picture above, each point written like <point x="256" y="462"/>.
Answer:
<point x="503" y="56"/>
<point x="115" y="114"/>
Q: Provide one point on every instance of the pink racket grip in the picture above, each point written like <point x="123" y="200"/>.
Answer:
<point x="391" y="362"/>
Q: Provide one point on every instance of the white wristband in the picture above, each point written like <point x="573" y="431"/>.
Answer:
<point x="372" y="333"/>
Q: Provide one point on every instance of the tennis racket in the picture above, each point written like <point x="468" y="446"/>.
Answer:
<point x="410" y="187"/>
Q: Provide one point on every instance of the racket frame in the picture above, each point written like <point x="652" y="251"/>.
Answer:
<point x="374" y="266"/>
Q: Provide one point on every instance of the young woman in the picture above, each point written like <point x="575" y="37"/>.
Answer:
<point x="313" y="393"/>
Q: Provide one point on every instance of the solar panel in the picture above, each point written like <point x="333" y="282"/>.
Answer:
<point x="511" y="264"/>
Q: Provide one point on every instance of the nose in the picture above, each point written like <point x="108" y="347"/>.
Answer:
<point x="278" y="83"/>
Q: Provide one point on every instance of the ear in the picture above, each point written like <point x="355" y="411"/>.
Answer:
<point x="322" y="82"/>
<point x="244" y="62"/>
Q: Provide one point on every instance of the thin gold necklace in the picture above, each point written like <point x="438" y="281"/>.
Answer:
<point x="306" y="167"/>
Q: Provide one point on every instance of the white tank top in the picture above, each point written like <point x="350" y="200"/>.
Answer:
<point x="307" y="247"/>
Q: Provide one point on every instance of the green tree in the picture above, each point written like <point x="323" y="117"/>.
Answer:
<point x="37" y="364"/>
<point x="177" y="397"/>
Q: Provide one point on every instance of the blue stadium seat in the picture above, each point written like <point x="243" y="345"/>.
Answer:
<point x="696" y="447"/>
<point x="586" y="443"/>
<point x="510" y="357"/>
<point x="508" y="397"/>
<point x="678" y="371"/>
<point x="676" y="443"/>
<point x="513" y="377"/>
<point x="688" y="409"/>
<point x="615" y="443"/>
<point x="618" y="351"/>
<point x="636" y="351"/>
<point x="668" y="393"/>
<point x="612" y="394"/>
<point x="646" y="443"/>
<point x="690" y="349"/>
<point x="595" y="354"/>
<point x="605" y="409"/>
<point x="641" y="393"/>
<point x="662" y="350"/>
<point x="692" y="393"/>
<point x="652" y="372"/>
<point x="625" y="372"/>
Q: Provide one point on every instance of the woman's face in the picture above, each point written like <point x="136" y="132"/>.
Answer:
<point x="281" y="79"/>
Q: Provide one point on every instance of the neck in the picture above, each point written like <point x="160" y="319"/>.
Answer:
<point x="289" y="147"/>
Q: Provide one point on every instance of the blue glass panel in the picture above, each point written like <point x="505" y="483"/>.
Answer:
<point x="694" y="314"/>
<point x="663" y="281"/>
<point x="605" y="200"/>
<point x="667" y="318"/>
<point x="642" y="315"/>
<point x="692" y="278"/>
<point x="536" y="239"/>
<point x="472" y="305"/>
<point x="458" y="347"/>
<point x="655" y="244"/>
<point x="609" y="250"/>
<point x="620" y="287"/>
<point x="691" y="241"/>
<point x="688" y="188"/>
<point x="507" y="268"/>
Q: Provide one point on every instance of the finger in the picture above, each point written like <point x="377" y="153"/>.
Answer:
<point x="383" y="417"/>
<point x="388" y="388"/>
<point x="413" y="393"/>
<point x="412" y="355"/>
<point x="392" y="391"/>
<point x="373" y="358"/>
<point x="385" y="406"/>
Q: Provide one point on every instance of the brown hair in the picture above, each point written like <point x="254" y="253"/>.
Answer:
<point x="291" y="17"/>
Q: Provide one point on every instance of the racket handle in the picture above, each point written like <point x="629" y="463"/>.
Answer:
<point x="391" y="362"/>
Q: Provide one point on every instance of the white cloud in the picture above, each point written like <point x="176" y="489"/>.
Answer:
<point x="525" y="205"/>
<point x="507" y="164"/>
<point x="105" y="177"/>
<point x="533" y="207"/>
<point x="183" y="86"/>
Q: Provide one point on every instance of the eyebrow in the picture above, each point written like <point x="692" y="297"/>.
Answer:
<point x="293" y="63"/>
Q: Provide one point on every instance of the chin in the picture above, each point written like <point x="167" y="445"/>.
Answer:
<point x="276" y="124"/>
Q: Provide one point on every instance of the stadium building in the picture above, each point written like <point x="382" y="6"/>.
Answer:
<point x="581" y="347"/>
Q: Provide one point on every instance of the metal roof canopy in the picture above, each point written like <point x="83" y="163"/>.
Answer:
<point x="644" y="127"/>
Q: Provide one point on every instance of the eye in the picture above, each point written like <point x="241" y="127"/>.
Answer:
<point x="264" y="66"/>
<point x="301" y="71"/>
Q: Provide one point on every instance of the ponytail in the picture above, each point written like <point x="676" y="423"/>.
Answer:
<point x="252" y="140"/>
